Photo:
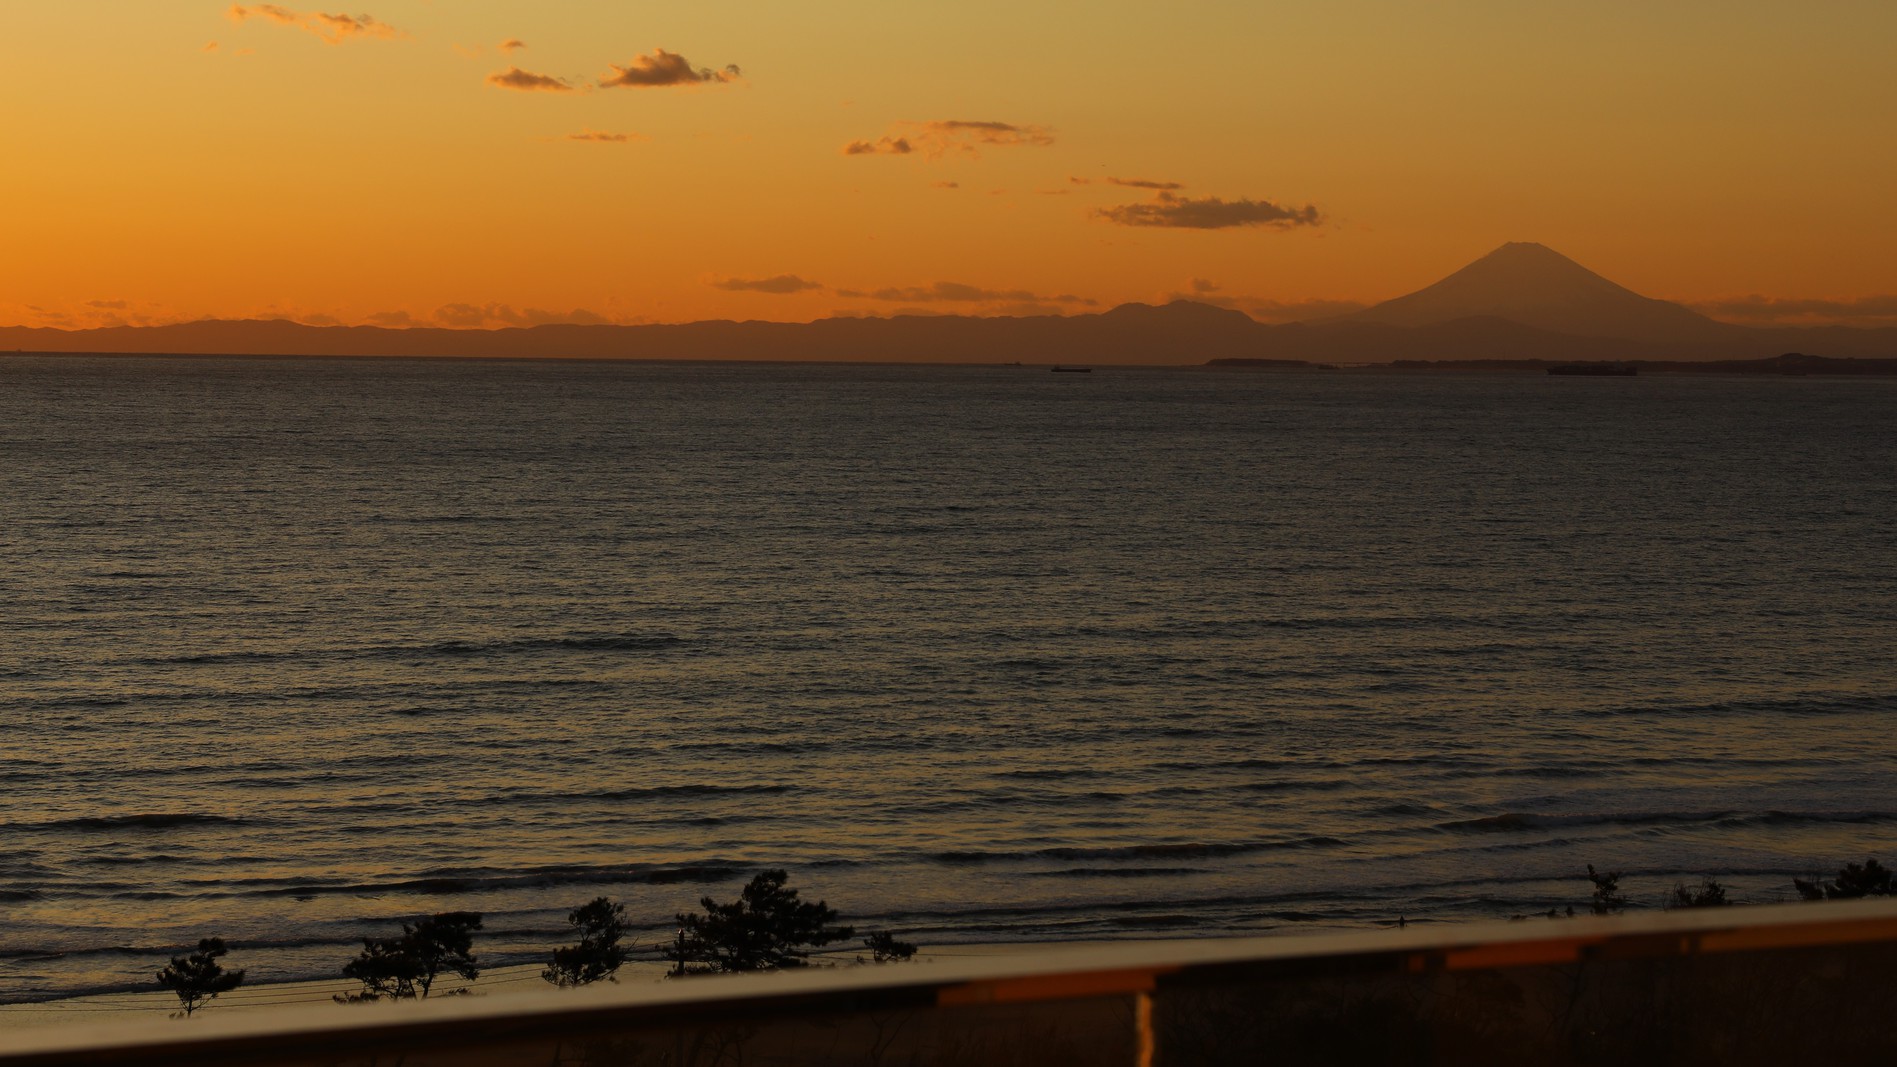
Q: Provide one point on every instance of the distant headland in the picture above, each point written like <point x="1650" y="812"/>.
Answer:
<point x="1523" y="305"/>
<point x="1789" y="365"/>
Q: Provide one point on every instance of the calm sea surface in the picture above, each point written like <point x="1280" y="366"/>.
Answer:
<point x="291" y="650"/>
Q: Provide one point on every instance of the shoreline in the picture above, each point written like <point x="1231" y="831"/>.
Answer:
<point x="1786" y="365"/>
<point x="522" y="970"/>
<point x="315" y="995"/>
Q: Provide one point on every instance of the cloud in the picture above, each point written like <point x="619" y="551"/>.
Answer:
<point x="88" y="314"/>
<point x="394" y="320"/>
<point x="603" y="137"/>
<point x="334" y="29"/>
<point x="238" y="13"/>
<point x="44" y="317"/>
<point x="1298" y="310"/>
<point x="888" y="146"/>
<point x="527" y="81"/>
<point x="341" y="27"/>
<point x="1209" y="213"/>
<point x="1026" y="309"/>
<point x="945" y="185"/>
<point x="959" y="293"/>
<point x="781" y="284"/>
<point x="1204" y="291"/>
<point x="663" y="68"/>
<point x="937" y="293"/>
<point x="1131" y="183"/>
<point x="938" y="137"/>
<point x="512" y="44"/>
<point x="210" y="46"/>
<point x="461" y="316"/>
<point x="1794" y="311"/>
<point x="995" y="133"/>
<point x="485" y="316"/>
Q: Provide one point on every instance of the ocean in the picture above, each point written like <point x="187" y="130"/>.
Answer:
<point x="294" y="650"/>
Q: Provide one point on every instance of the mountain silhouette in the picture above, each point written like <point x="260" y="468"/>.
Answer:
<point x="1536" y="286"/>
<point x="1177" y="333"/>
<point x="1522" y="301"/>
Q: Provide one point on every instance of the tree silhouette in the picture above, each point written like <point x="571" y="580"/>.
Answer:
<point x="884" y="948"/>
<point x="386" y="968"/>
<point x="765" y="929"/>
<point x="1871" y="879"/>
<point x="1710" y="894"/>
<point x="402" y="968"/>
<point x="199" y="978"/>
<point x="1607" y="897"/>
<point x="601" y="923"/>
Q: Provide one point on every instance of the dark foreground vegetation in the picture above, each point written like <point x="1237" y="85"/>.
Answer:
<point x="405" y="967"/>
<point x="198" y="978"/>
<point x="601" y="925"/>
<point x="767" y="928"/>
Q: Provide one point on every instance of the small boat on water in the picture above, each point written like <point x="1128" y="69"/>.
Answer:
<point x="1058" y="369"/>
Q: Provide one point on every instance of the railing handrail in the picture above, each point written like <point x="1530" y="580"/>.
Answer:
<point x="1057" y="973"/>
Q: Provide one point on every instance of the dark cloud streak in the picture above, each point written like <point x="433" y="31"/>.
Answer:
<point x="1267" y="310"/>
<point x="887" y="146"/>
<point x="994" y="133"/>
<point x="1170" y="211"/>
<point x="1131" y="183"/>
<point x="527" y="81"/>
<point x="661" y="69"/>
<point x="780" y="284"/>
<point x="334" y="29"/>
<point x="482" y="316"/>
<point x="1803" y="311"/>
<point x="959" y="293"/>
<point x="940" y="136"/>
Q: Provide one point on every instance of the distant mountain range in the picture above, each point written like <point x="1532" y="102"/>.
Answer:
<point x="1181" y="332"/>
<point x="1522" y="301"/>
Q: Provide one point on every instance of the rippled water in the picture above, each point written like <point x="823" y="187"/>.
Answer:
<point x="294" y="649"/>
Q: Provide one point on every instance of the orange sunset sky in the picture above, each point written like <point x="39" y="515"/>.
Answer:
<point x="487" y="163"/>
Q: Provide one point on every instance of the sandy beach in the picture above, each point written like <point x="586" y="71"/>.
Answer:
<point x="318" y="995"/>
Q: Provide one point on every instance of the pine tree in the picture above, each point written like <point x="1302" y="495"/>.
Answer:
<point x="1870" y="879"/>
<point x="1710" y="894"/>
<point x="601" y="923"/>
<point x="884" y="948"/>
<point x="405" y="967"/>
<point x="765" y="929"/>
<point x="1607" y="897"/>
<point x="199" y="978"/>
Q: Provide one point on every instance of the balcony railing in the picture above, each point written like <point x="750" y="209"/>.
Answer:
<point x="1786" y="985"/>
